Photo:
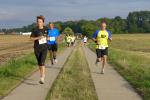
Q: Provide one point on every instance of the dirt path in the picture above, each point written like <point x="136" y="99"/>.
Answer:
<point x="110" y="86"/>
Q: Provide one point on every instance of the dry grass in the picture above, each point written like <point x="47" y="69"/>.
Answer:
<point x="13" y="46"/>
<point x="132" y="42"/>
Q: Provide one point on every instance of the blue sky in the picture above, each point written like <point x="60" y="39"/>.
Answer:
<point x="17" y="13"/>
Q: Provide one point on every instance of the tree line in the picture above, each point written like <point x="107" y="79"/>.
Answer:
<point x="136" y="22"/>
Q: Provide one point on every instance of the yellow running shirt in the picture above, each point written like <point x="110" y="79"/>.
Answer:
<point x="102" y="38"/>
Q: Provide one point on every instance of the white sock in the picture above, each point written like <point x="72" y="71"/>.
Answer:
<point x="102" y="69"/>
<point x="42" y="78"/>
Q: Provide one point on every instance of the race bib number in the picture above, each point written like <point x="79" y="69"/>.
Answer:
<point x="52" y="39"/>
<point x="43" y="41"/>
<point x="101" y="47"/>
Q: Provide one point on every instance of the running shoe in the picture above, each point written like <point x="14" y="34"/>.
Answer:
<point x="96" y="62"/>
<point x="102" y="72"/>
<point x="55" y="61"/>
<point x="41" y="81"/>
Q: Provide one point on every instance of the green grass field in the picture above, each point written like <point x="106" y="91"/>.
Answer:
<point x="74" y="81"/>
<point x="129" y="55"/>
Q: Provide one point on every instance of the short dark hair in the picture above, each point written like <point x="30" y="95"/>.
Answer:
<point x="103" y="21"/>
<point x="40" y="17"/>
<point x="51" y="23"/>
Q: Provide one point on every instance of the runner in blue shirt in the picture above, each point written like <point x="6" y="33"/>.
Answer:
<point x="53" y="34"/>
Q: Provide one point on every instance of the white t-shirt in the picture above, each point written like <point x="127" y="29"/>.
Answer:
<point x="85" y="39"/>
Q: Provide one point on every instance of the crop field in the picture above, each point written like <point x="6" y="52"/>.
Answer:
<point x="13" y="46"/>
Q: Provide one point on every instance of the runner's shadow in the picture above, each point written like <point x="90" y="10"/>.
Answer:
<point x="96" y="72"/>
<point x="30" y="83"/>
<point x="53" y="67"/>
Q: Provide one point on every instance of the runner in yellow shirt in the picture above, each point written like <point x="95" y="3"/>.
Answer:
<point x="68" y="39"/>
<point x="101" y="38"/>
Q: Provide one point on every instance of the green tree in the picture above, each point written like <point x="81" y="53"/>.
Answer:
<point x="139" y="22"/>
<point x="58" y="25"/>
<point x="68" y="31"/>
<point x="88" y="29"/>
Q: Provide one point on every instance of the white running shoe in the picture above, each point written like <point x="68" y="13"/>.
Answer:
<point x="41" y="81"/>
<point x="96" y="62"/>
<point x="102" y="72"/>
<point x="56" y="61"/>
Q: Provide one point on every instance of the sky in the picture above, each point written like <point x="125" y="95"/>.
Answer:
<point x="18" y="13"/>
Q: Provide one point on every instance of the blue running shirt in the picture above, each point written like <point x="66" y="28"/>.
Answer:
<point x="53" y="34"/>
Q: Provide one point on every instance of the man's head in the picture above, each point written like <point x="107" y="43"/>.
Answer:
<point x="51" y="25"/>
<point x="40" y="21"/>
<point x="103" y="25"/>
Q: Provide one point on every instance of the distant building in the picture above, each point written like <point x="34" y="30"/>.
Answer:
<point x="13" y="33"/>
<point x="27" y="33"/>
<point x="2" y="33"/>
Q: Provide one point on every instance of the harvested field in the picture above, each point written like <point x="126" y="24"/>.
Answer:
<point x="14" y="46"/>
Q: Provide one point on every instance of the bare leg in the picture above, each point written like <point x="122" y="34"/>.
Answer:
<point x="51" y="56"/>
<point x="42" y="74"/>
<point x="54" y="54"/>
<point x="104" y="62"/>
<point x="42" y="71"/>
<point x="99" y="59"/>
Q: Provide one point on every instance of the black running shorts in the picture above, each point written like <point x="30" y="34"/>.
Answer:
<point x="52" y="47"/>
<point x="100" y="53"/>
<point x="41" y="54"/>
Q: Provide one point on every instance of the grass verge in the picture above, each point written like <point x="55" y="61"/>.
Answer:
<point x="74" y="81"/>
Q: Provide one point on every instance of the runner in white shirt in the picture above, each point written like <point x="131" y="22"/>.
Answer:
<point x="85" y="40"/>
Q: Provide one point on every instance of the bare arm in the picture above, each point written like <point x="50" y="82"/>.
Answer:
<point x="110" y="39"/>
<point x="35" y="38"/>
<point x="94" y="39"/>
<point x="58" y="39"/>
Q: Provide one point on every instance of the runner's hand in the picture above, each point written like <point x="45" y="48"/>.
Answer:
<point x="48" y="38"/>
<point x="97" y="42"/>
<point x="40" y="37"/>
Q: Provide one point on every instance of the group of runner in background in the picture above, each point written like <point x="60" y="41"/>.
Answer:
<point x="70" y="40"/>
